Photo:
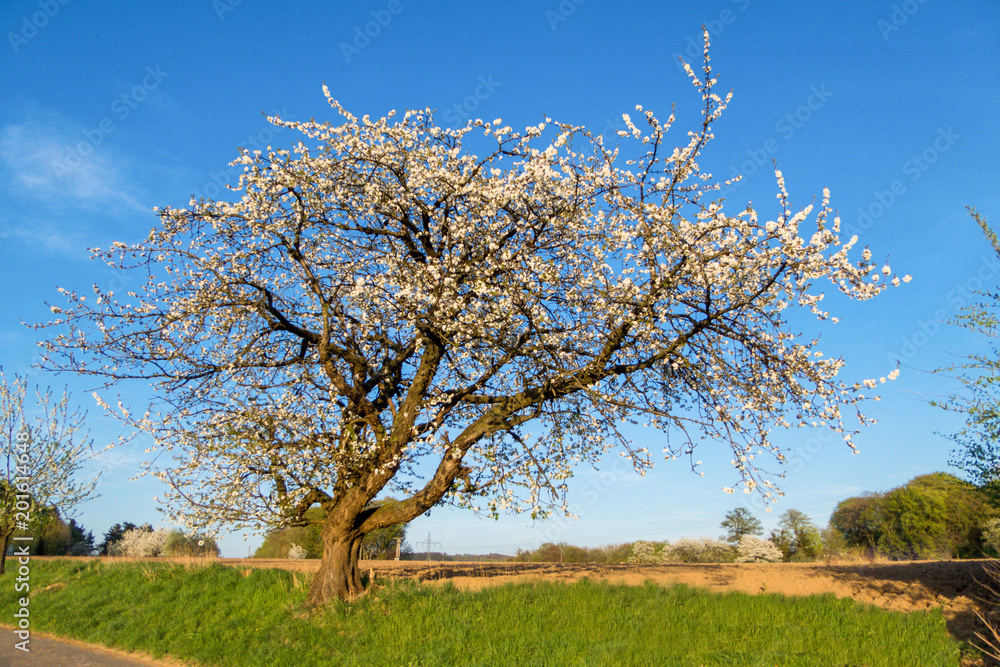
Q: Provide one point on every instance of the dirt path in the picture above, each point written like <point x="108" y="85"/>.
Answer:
<point x="50" y="651"/>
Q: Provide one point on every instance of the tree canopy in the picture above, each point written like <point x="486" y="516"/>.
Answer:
<point x="44" y="447"/>
<point x="797" y="537"/>
<point x="384" y="310"/>
<point x="978" y="451"/>
<point x="859" y="520"/>
<point x="931" y="516"/>
<point x="740" y="523"/>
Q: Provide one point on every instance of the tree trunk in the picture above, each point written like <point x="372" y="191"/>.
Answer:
<point x="338" y="574"/>
<point x="3" y="554"/>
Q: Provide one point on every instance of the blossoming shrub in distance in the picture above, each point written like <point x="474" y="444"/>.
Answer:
<point x="649" y="552"/>
<point x="702" y="550"/>
<point x="755" y="550"/>
<point x="140" y="543"/>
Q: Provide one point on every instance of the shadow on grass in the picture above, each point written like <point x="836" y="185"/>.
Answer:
<point x="959" y="587"/>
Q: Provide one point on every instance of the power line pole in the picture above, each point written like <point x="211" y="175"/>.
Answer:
<point x="428" y="543"/>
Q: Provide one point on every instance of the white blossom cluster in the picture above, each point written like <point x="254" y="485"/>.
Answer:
<point x="701" y="550"/>
<point x="755" y="550"/>
<point x="684" y="550"/>
<point x="139" y="543"/>
<point x="645" y="552"/>
<point x="384" y="310"/>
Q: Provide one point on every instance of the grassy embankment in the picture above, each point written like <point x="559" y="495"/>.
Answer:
<point x="219" y="615"/>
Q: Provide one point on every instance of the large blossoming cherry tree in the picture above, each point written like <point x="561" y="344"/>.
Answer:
<point x="385" y="311"/>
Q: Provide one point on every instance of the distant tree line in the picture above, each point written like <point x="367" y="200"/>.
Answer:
<point x="129" y="540"/>
<point x="51" y="536"/>
<point x="550" y="552"/>
<point x="457" y="558"/>
<point x="931" y="516"/>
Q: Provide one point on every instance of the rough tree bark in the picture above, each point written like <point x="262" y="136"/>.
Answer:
<point x="348" y="521"/>
<point x="3" y="554"/>
<point x="338" y="575"/>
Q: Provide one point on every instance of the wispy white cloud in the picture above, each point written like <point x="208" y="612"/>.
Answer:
<point x="57" y="161"/>
<point x="58" y="176"/>
<point x="68" y="243"/>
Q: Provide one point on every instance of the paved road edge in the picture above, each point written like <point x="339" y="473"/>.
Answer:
<point x="139" y="657"/>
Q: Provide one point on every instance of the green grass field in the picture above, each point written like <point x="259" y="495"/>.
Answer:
<point x="219" y="615"/>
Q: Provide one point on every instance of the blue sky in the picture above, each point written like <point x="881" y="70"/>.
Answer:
<point x="112" y="108"/>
